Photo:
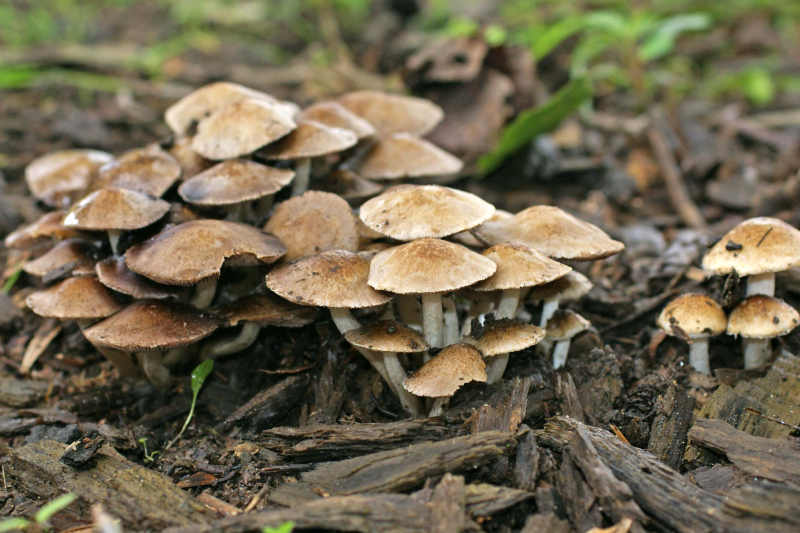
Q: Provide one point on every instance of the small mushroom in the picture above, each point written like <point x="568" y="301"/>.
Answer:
<point x="393" y="113"/>
<point x="47" y="227"/>
<point x="500" y="338"/>
<point x="694" y="318"/>
<point x="59" y="177"/>
<point x="402" y="155"/>
<point x="335" y="115"/>
<point x="149" y="170"/>
<point x="72" y="256"/>
<point x="561" y="328"/>
<point x="571" y="287"/>
<point x="757" y="319"/>
<point x="114" y="274"/>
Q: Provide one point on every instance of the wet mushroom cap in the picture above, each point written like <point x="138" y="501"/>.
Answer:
<point x="572" y="286"/>
<point x="553" y="232"/>
<point x="694" y="316"/>
<point x="519" y="266"/>
<point x="314" y="222"/>
<point x="408" y="212"/>
<point x="335" y="278"/>
<point x="234" y="181"/>
<point x="310" y="139"/>
<point x="149" y="170"/>
<point x="151" y="325"/>
<point x="565" y="324"/>
<point x="114" y="274"/>
<point x="506" y="336"/>
<point x="762" y="317"/>
<point x="756" y="246"/>
<point x="196" y="250"/>
<point x="49" y="225"/>
<point x="78" y="298"/>
<point x="58" y="177"/>
<point x="387" y="336"/>
<point x="72" y="253"/>
<point x="393" y="113"/>
<point x="335" y="115"/>
<point x="266" y="310"/>
<point x="444" y="374"/>
<point x="403" y="155"/>
<point x="115" y="209"/>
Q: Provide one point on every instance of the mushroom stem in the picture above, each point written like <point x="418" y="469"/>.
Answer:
<point x="344" y="319"/>
<point x="698" y="356"/>
<point x="756" y="352"/>
<point x="509" y="300"/>
<point x="450" y="321"/>
<point x="437" y="408"/>
<point x="548" y="309"/>
<point x="409" y="311"/>
<point x="121" y="360"/>
<point x="204" y="293"/>
<point x="560" y="353"/>
<point x="432" y="319"/>
<point x="302" y="176"/>
<point x="761" y="284"/>
<point x="397" y="374"/>
<point x="175" y="356"/>
<point x="113" y="240"/>
<point x="495" y="368"/>
<point x="479" y="307"/>
<point x="153" y="368"/>
<point x="231" y="344"/>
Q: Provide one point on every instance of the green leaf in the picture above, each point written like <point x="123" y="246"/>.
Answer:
<point x="758" y="86"/>
<point x="286" y="527"/>
<point x="555" y="34"/>
<point x="11" y="281"/>
<point x="495" y="35"/>
<point x="14" y="524"/>
<point x="662" y="40"/>
<point x="533" y="122"/>
<point x="199" y="375"/>
<point x="49" y="509"/>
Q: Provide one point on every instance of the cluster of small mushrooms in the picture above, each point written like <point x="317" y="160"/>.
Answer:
<point x="153" y="251"/>
<point x="757" y="248"/>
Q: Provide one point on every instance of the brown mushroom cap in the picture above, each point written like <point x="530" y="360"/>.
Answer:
<point x="349" y="185"/>
<point x="519" y="266"/>
<point x="314" y="222"/>
<point x="756" y="246"/>
<point x="195" y="250"/>
<point x="114" y="274"/>
<point x="115" y="209"/>
<point x="572" y="286"/>
<point x="49" y="225"/>
<point x="408" y="212"/>
<point x="393" y="113"/>
<point x="191" y="162"/>
<point x="234" y="181"/>
<point x="72" y="253"/>
<point x="762" y="317"/>
<point x="241" y="127"/>
<point x="403" y="155"/>
<point x="335" y="278"/>
<point x="335" y="115"/>
<point x="310" y="139"/>
<point x="694" y="316"/>
<point x="266" y="310"/>
<point x="387" y="336"/>
<point x="553" y="232"/>
<point x="149" y="170"/>
<point x="151" y="325"/>
<point x="59" y="177"/>
<point x="506" y="336"/>
<point x="565" y="324"/>
<point x="427" y="266"/>
<point x="444" y="374"/>
<point x="74" y="299"/>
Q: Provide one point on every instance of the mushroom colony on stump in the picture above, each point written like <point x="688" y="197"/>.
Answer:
<point x="257" y="214"/>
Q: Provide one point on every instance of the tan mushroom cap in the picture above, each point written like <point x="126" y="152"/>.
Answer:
<point x="393" y="113"/>
<point x="149" y="170"/>
<point x="241" y="127"/>
<point x="552" y="231"/>
<point x="403" y="155"/>
<point x="506" y="336"/>
<point x="349" y="185"/>
<point x="312" y="223"/>
<point x="234" y="181"/>
<point x="195" y="250"/>
<point x="335" y="278"/>
<point x="59" y="177"/>
<point x="756" y="246"/>
<point x="427" y="266"/>
<point x="387" y="336"/>
<point x="49" y="225"/>
<point x="408" y="212"/>
<point x="565" y="324"/>
<point x="73" y="253"/>
<point x="519" y="266"/>
<point x="266" y="310"/>
<point x="570" y="287"/>
<point x="694" y="316"/>
<point x="335" y="115"/>
<point x="79" y="298"/>
<point x="468" y="239"/>
<point x="115" y="209"/>
<point x="191" y="162"/>
<point x="310" y="139"/>
<point x="444" y="374"/>
<point x="762" y="317"/>
<point x="151" y="325"/>
<point x="114" y="274"/>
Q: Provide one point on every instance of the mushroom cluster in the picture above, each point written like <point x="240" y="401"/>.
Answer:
<point x="758" y="248"/>
<point x="258" y="212"/>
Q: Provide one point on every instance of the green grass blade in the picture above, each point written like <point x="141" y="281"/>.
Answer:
<point x="49" y="509"/>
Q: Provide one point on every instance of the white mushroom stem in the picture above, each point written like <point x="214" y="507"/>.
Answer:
<point x="302" y="176"/>
<point x="345" y="321"/>
<point x="397" y="374"/>
<point x="175" y="356"/>
<point x="560" y="353"/>
<point x="121" y="360"/>
<point x="482" y="306"/>
<point x="437" y="408"/>
<point x="409" y="311"/>
<point x="495" y="368"/>
<point x="698" y="355"/>
<point x="509" y="301"/>
<point x="247" y="335"/>
<point x="432" y="319"/>
<point x="549" y="307"/>
<point x="451" y="329"/>
<point x="761" y="284"/>
<point x="153" y="368"/>
<point x="204" y="293"/>
<point x="756" y="352"/>
<point x="113" y="240"/>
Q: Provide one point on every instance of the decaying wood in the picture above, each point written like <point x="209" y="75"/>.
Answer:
<point x="508" y="413"/>
<point x="663" y="493"/>
<point x="21" y="392"/>
<point x="549" y="522"/>
<point x="484" y="499"/>
<point x="395" y="470"/>
<point x="775" y="459"/>
<point x="526" y="467"/>
<point x="141" y="498"/>
<point x="269" y="404"/>
<point x="568" y="395"/>
<point x="448" y="506"/>
<point x="47" y="331"/>
<point x="668" y="431"/>
<point x="576" y="496"/>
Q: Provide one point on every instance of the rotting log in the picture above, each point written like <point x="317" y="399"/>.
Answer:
<point x="270" y="404"/>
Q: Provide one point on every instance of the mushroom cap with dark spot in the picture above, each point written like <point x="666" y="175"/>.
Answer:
<point x="151" y="325"/>
<point x="393" y="113"/>
<point x="266" y="310"/>
<point x="336" y="278"/>
<point x="74" y="252"/>
<point x="80" y="298"/>
<point x="387" y="336"/>
<point x="310" y="139"/>
<point x="59" y="177"/>
<point x="115" y="209"/>
<point x="195" y="250"/>
<point x="762" y="317"/>
<point x="506" y="336"/>
<point x="234" y="181"/>
<point x="693" y="315"/>
<point x="335" y="115"/>
<point x="114" y="274"/>
<point x="408" y="212"/>
<point x="445" y="373"/>
<point x="570" y="287"/>
<point x="403" y="155"/>
<point x="565" y="324"/>
<point x="149" y="170"/>
<point x="756" y="246"/>
<point x="519" y="266"/>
